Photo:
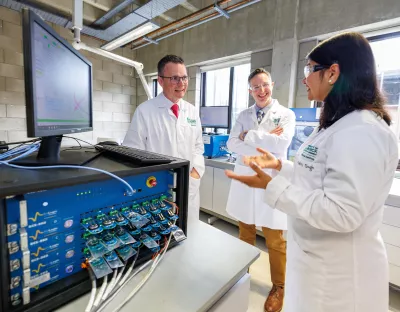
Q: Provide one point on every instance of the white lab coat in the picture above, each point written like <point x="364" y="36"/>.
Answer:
<point x="244" y="203"/>
<point x="155" y="128"/>
<point x="334" y="195"/>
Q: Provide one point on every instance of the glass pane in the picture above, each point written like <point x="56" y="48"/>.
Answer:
<point x="388" y="72"/>
<point x="157" y="89"/>
<point x="217" y="87"/>
<point x="240" y="90"/>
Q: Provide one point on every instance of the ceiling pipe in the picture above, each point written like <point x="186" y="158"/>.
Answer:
<point x="77" y="19"/>
<point x="207" y="18"/>
<point x="187" y="17"/>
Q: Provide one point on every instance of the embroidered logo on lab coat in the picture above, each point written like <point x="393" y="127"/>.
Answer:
<point x="310" y="152"/>
<point x="191" y="122"/>
<point x="276" y="121"/>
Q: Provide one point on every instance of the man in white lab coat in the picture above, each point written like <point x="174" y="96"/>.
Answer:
<point x="171" y="126"/>
<point x="269" y="125"/>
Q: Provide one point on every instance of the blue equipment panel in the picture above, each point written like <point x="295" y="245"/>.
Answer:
<point x="215" y="145"/>
<point x="53" y="244"/>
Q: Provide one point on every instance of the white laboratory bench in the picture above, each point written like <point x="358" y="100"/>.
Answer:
<point x="214" y="190"/>
<point x="390" y="231"/>
<point x="206" y="272"/>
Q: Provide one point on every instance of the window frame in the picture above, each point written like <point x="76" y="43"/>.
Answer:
<point x="203" y="90"/>
<point x="154" y="85"/>
<point x="382" y="37"/>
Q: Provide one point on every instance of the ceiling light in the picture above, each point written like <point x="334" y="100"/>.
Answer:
<point x="130" y="36"/>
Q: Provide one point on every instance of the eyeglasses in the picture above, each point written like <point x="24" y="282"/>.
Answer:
<point x="309" y="69"/>
<point x="258" y="87"/>
<point x="176" y="79"/>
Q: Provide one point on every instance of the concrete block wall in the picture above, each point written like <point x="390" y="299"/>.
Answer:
<point x="141" y="96"/>
<point x="262" y="59"/>
<point x="193" y="92"/>
<point x="301" y="99"/>
<point x="114" y="86"/>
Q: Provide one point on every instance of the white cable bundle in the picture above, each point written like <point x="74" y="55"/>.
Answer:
<point x="101" y="292"/>
<point x="105" y="303"/>
<point x="156" y="261"/>
<point x="110" y="286"/>
<point x="93" y="292"/>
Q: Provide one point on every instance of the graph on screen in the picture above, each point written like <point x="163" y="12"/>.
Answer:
<point x="62" y="83"/>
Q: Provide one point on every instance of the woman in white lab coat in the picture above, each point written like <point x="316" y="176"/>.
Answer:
<point x="335" y="190"/>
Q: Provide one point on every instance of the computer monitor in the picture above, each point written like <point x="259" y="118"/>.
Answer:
<point x="215" y="117"/>
<point x="58" y="90"/>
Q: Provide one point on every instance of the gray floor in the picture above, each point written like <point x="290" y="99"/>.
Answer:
<point x="260" y="276"/>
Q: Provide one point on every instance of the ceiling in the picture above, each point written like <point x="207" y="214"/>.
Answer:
<point x="108" y="19"/>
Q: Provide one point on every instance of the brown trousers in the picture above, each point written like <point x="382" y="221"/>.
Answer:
<point x="276" y="245"/>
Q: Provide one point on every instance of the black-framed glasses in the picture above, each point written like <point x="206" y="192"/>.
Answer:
<point x="309" y="69"/>
<point x="176" y="79"/>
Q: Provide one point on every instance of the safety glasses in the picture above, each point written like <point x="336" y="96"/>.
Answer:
<point x="309" y="69"/>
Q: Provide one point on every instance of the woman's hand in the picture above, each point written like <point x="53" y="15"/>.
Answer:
<point x="260" y="180"/>
<point x="264" y="161"/>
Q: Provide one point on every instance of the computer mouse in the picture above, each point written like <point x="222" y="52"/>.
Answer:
<point x="108" y="143"/>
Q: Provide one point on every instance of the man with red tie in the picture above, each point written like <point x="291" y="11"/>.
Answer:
<point x="171" y="126"/>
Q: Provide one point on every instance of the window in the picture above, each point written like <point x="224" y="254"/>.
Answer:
<point x="217" y="87"/>
<point x="226" y="87"/>
<point x="157" y="89"/>
<point x="385" y="49"/>
<point x="240" y="98"/>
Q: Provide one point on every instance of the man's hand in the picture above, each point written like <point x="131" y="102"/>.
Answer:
<point x="278" y="131"/>
<point x="194" y="174"/>
<point x="264" y="161"/>
<point x="242" y="135"/>
<point x="259" y="180"/>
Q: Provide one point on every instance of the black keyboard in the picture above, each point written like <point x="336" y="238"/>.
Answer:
<point x="136" y="156"/>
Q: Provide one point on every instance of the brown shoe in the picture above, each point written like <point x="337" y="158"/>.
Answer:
<point x="274" y="302"/>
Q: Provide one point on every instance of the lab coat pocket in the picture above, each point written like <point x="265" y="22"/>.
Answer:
<point x="194" y="185"/>
<point x="305" y="279"/>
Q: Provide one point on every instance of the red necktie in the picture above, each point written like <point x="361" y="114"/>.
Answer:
<point x="175" y="110"/>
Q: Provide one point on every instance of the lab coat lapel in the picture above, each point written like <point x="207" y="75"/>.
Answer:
<point x="164" y="103"/>
<point x="253" y="114"/>
<point x="272" y="111"/>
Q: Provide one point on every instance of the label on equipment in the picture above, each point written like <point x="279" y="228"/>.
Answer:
<point x="178" y="234"/>
<point x="26" y="259"/>
<point x="206" y="139"/>
<point x="39" y="280"/>
<point x="23" y="213"/>
<point x="24" y="239"/>
<point x="26" y="296"/>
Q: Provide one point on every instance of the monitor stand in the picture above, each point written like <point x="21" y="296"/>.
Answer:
<point x="49" y="155"/>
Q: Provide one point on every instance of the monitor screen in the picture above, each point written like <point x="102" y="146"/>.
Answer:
<point x="61" y="83"/>
<point x="214" y="116"/>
